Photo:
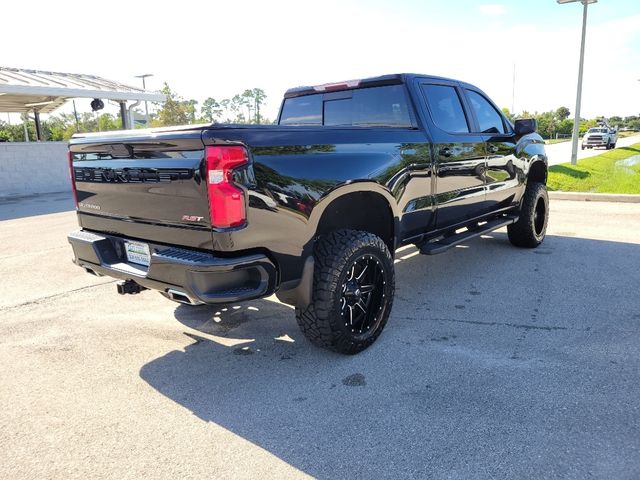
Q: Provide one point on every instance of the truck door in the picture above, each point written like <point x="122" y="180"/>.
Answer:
<point x="504" y="175"/>
<point x="459" y="154"/>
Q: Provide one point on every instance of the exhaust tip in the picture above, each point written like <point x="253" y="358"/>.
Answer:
<point x="181" y="297"/>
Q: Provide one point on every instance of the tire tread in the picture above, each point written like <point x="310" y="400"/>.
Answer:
<point x="318" y="321"/>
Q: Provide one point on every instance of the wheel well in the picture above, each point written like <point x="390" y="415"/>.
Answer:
<point x="538" y="173"/>
<point x="365" y="211"/>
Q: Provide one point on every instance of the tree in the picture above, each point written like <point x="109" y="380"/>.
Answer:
<point x="190" y="109"/>
<point x="211" y="110"/>
<point x="247" y="101"/>
<point x="230" y="106"/>
<point x="562" y="113"/>
<point x="175" y="110"/>
<point x="235" y="107"/>
<point x="615" y="120"/>
<point x="107" y="122"/>
<point x="259" y="97"/>
<point x="565" y="126"/>
<point x="508" y="114"/>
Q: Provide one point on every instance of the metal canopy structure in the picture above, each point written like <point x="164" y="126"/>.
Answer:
<point x="37" y="91"/>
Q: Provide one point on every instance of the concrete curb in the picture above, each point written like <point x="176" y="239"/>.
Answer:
<point x="595" y="197"/>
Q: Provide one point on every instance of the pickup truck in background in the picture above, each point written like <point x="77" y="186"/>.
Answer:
<point x="603" y="136"/>
<point x="311" y="209"/>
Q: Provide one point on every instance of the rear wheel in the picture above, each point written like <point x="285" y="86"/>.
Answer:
<point x="353" y="292"/>
<point x="530" y="229"/>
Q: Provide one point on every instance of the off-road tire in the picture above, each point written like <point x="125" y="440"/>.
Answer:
<point x="324" y="321"/>
<point x="530" y="229"/>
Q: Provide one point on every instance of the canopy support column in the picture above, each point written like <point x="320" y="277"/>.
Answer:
<point x="124" y="116"/>
<point x="36" y="117"/>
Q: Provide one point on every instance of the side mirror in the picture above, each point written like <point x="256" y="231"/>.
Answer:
<point x="525" y="126"/>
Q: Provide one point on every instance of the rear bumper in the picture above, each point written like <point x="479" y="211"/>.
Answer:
<point x="202" y="277"/>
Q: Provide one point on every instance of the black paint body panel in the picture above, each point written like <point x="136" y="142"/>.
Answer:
<point x="295" y="174"/>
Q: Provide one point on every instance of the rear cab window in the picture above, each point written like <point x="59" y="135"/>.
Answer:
<point x="385" y="106"/>
<point x="306" y="110"/>
<point x="445" y="108"/>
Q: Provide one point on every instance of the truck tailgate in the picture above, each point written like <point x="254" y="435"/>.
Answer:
<point x="147" y="186"/>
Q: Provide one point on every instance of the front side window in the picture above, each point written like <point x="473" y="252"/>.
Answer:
<point x="446" y="109"/>
<point x="489" y="119"/>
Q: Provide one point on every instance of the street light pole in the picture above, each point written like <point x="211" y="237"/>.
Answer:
<point x="576" y="121"/>
<point x="144" y="87"/>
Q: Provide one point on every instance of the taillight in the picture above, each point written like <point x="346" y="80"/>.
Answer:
<point x="73" y="180"/>
<point x="226" y="200"/>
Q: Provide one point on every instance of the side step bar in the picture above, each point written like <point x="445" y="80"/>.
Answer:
<point x="444" y="244"/>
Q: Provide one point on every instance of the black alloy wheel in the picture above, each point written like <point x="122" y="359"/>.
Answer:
<point x="363" y="294"/>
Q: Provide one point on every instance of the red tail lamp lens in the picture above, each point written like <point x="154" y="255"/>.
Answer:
<point x="226" y="200"/>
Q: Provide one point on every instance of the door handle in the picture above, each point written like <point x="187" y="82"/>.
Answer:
<point x="492" y="149"/>
<point x="445" y="152"/>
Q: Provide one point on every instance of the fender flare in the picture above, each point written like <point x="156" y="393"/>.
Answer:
<point x="301" y="295"/>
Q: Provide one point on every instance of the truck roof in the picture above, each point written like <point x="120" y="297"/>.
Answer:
<point x="390" y="79"/>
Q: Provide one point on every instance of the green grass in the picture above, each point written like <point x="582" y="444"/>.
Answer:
<point x="626" y="134"/>
<point x="598" y="174"/>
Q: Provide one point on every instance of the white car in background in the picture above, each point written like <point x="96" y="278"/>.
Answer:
<point x="600" y="137"/>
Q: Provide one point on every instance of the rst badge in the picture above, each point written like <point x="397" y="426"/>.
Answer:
<point x="191" y="218"/>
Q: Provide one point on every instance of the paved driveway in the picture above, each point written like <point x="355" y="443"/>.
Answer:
<point x="496" y="363"/>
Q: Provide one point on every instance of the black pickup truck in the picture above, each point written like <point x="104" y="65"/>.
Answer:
<point x="311" y="209"/>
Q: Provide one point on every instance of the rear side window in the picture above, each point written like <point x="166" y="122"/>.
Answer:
<point x="489" y="119"/>
<point x="446" y="108"/>
<point x="305" y="110"/>
<point x="385" y="106"/>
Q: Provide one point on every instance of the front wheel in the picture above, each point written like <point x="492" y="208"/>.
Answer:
<point x="530" y="229"/>
<point x="352" y="292"/>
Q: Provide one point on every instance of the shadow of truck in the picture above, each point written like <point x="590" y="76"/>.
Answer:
<point x="493" y="358"/>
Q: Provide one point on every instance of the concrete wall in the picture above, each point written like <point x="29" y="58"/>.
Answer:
<point x="35" y="167"/>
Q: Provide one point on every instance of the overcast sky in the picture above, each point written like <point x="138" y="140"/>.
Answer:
<point x="218" y="49"/>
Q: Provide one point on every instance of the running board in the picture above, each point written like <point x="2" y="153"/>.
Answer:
<point x="442" y="245"/>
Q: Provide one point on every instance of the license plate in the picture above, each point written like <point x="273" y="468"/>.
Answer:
<point x="137" y="253"/>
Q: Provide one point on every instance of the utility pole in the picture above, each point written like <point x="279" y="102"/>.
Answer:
<point x="576" y="122"/>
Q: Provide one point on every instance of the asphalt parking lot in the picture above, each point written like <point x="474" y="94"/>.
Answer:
<point x="496" y="363"/>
